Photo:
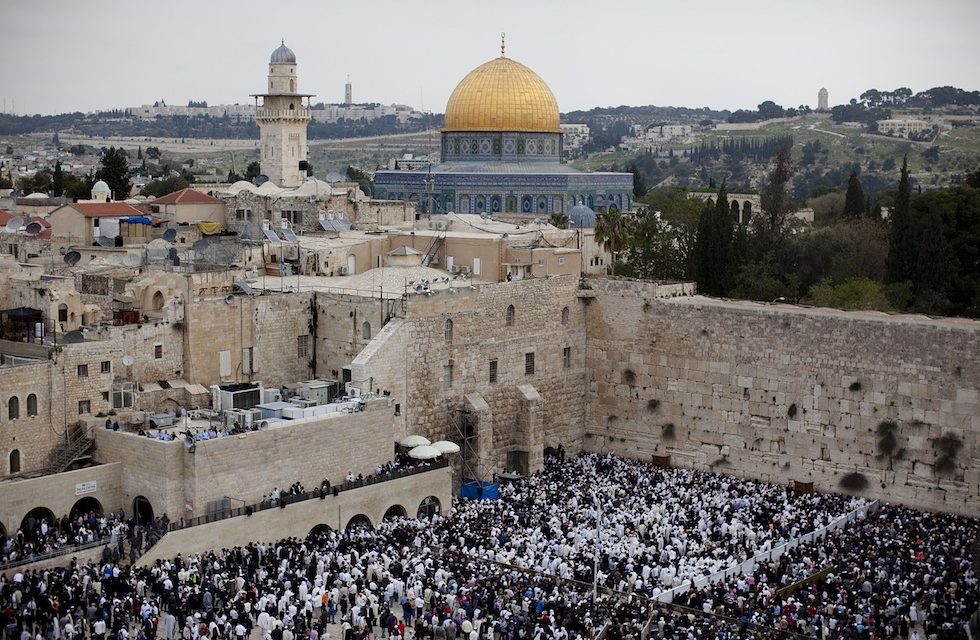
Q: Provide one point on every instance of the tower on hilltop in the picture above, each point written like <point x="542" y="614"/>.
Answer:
<point x="823" y="99"/>
<point x="282" y="118"/>
<point x="348" y="94"/>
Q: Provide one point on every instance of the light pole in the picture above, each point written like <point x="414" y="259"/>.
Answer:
<point x="595" y="559"/>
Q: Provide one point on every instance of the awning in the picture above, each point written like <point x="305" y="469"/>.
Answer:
<point x="137" y="220"/>
<point x="209" y="228"/>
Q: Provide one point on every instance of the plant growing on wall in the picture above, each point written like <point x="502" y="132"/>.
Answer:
<point x="854" y="482"/>
<point x="947" y="447"/>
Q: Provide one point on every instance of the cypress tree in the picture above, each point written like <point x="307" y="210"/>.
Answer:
<point x="901" y="250"/>
<point x="854" y="201"/>
<point x="714" y="246"/>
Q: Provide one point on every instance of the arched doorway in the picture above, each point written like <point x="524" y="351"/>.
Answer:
<point x="33" y="519"/>
<point x="157" y="302"/>
<point x="746" y="211"/>
<point x="320" y="530"/>
<point x="84" y="506"/>
<point x="735" y="210"/>
<point x="429" y="507"/>
<point x="395" y="511"/>
<point x="14" y="461"/>
<point x="550" y="452"/>
<point x="359" y="522"/>
<point x="142" y="510"/>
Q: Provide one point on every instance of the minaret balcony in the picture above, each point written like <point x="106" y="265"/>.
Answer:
<point x="280" y="114"/>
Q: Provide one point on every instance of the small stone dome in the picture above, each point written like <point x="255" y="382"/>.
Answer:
<point x="100" y="186"/>
<point x="581" y="217"/>
<point x="283" y="55"/>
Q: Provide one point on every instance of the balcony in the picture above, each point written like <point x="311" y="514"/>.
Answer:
<point x="277" y="114"/>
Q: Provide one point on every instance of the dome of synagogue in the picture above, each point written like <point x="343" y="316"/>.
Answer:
<point x="283" y="55"/>
<point x="502" y="95"/>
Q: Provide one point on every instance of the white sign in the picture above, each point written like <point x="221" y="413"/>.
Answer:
<point x="85" y="487"/>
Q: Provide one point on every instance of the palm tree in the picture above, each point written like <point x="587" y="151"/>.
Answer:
<point x="612" y="231"/>
<point x="559" y="220"/>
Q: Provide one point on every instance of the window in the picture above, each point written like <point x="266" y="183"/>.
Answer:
<point x="449" y="331"/>
<point x="84" y="406"/>
<point x="83" y="371"/>
<point x="566" y="357"/>
<point x="13" y="408"/>
<point x="122" y="395"/>
<point x="14" y="461"/>
<point x="224" y="363"/>
<point x="62" y="312"/>
<point x="31" y="404"/>
<point x="510" y="316"/>
<point x="106" y="366"/>
<point x="105" y="396"/>
<point x="529" y="363"/>
<point x="303" y="346"/>
<point x="561" y="259"/>
<point x="564" y="315"/>
<point x="294" y="217"/>
<point x="247" y="360"/>
<point x="476" y="266"/>
<point x="366" y="331"/>
<point x="493" y="372"/>
<point x="540" y="262"/>
<point x="447" y="376"/>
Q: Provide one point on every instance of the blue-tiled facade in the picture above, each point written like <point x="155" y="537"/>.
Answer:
<point x="504" y="172"/>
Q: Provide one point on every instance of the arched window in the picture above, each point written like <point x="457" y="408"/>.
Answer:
<point x="157" y="301"/>
<point x="449" y="330"/>
<point x="31" y="404"/>
<point x="13" y="408"/>
<point x="14" y="461"/>
<point x="510" y="315"/>
<point x="366" y="330"/>
<point x="62" y="312"/>
<point x="564" y="315"/>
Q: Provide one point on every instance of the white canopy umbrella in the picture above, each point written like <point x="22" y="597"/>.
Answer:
<point x="414" y="441"/>
<point x="445" y="446"/>
<point x="424" y="452"/>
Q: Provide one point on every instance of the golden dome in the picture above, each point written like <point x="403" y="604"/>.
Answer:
<point x="502" y="95"/>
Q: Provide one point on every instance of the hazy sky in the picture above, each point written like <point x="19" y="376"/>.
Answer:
<point x="67" y="55"/>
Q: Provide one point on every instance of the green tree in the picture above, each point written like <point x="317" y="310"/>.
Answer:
<point x="683" y="214"/>
<point x="58" y="180"/>
<point x="559" y="220"/>
<point x="159" y="188"/>
<point x="652" y="251"/>
<point x="852" y="294"/>
<point x="114" y="170"/>
<point x="6" y="182"/>
<point x="612" y="231"/>
<point x="771" y="229"/>
<point x="714" y="260"/>
<point x="153" y="153"/>
<point x="901" y="259"/>
<point x="253" y="170"/>
<point x="639" y="183"/>
<point x="854" y="200"/>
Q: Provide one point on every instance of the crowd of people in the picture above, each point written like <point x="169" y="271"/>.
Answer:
<point x="43" y="535"/>
<point x="521" y="568"/>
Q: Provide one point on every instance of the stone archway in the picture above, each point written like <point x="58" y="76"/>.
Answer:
<point x="358" y="522"/>
<point x="85" y="505"/>
<point x="321" y="529"/>
<point x="35" y="516"/>
<point x="142" y="510"/>
<point x="394" y="511"/>
<point x="429" y="507"/>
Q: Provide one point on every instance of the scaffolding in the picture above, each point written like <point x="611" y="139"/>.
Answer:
<point x="463" y="425"/>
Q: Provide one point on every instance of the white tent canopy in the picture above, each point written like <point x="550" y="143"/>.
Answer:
<point x="445" y="446"/>
<point x="424" y="452"/>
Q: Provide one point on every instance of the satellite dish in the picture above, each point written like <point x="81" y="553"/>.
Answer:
<point x="72" y="258"/>
<point x="14" y="224"/>
<point x="34" y="228"/>
<point x="263" y="425"/>
<point x="128" y="360"/>
<point x="106" y="241"/>
<point x="230" y="299"/>
<point x="73" y="337"/>
<point x="132" y="260"/>
<point x="202" y="244"/>
<point x="116" y="259"/>
<point x="170" y="235"/>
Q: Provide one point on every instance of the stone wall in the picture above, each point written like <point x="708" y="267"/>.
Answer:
<point x="59" y="493"/>
<point x="884" y="406"/>
<point x="340" y="322"/>
<point x="298" y="519"/>
<point x="413" y="357"/>
<point x="248" y="467"/>
<point x="270" y="325"/>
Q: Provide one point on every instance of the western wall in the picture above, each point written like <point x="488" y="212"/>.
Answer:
<point x="861" y="402"/>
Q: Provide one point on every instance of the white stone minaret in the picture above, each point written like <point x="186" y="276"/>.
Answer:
<point x="282" y="119"/>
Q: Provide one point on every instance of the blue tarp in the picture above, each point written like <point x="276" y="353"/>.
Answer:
<point x="476" y="490"/>
<point x="137" y="220"/>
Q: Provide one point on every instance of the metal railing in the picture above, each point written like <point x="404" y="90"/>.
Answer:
<point x="287" y="500"/>
<point x="61" y="551"/>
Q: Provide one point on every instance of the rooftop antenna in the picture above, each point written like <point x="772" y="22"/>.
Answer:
<point x="502" y="36"/>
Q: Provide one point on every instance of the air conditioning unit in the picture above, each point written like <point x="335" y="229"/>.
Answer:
<point x="342" y="271"/>
<point x="465" y="270"/>
<point x="243" y="418"/>
<point x="455" y="269"/>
